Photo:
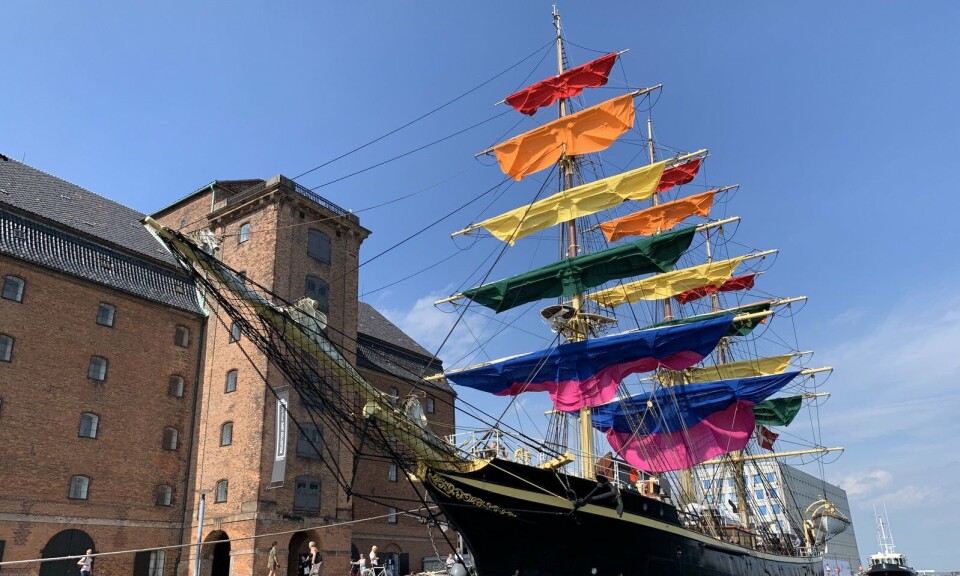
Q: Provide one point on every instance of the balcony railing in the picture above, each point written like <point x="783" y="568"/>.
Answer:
<point x="299" y="189"/>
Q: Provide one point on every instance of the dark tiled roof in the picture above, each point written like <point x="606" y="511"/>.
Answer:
<point x="374" y="324"/>
<point x="382" y="346"/>
<point x="52" y="199"/>
<point x="59" y="250"/>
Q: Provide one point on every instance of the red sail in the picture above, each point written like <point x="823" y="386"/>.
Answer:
<point x="679" y="175"/>
<point x="731" y="285"/>
<point x="567" y="85"/>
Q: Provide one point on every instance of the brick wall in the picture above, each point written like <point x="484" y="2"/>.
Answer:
<point x="45" y="389"/>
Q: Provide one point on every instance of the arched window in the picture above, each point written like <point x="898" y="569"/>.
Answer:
<point x="182" y="337"/>
<point x="105" y="314"/>
<point x="431" y="405"/>
<point x="244" y="233"/>
<point x="79" y="487"/>
<point x="175" y="386"/>
<point x="226" y="434"/>
<point x="318" y="246"/>
<point x="306" y="497"/>
<point x="231" y="385"/>
<point x="13" y="288"/>
<point x="392" y="473"/>
<point x="164" y="495"/>
<point x="6" y="348"/>
<point x="222" y="487"/>
<point x="98" y="369"/>
<point x="170" y="436"/>
<point x="318" y="290"/>
<point x="234" y="332"/>
<point x="88" y="425"/>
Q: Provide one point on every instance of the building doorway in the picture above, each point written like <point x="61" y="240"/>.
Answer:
<point x="65" y="543"/>
<point x="298" y="552"/>
<point x="220" y="559"/>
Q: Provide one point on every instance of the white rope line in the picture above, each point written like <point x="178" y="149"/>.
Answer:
<point x="195" y="545"/>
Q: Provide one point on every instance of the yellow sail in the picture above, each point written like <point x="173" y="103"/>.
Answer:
<point x="587" y="131"/>
<point x="577" y="202"/>
<point x="745" y="369"/>
<point x="668" y="284"/>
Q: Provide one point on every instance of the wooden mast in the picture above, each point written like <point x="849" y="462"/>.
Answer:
<point x="587" y="456"/>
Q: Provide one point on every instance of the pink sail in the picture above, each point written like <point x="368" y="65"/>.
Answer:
<point x="717" y="434"/>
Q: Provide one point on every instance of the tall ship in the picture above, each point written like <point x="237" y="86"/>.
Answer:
<point x="669" y="367"/>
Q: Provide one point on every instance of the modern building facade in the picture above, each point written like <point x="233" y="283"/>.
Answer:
<point x="779" y="496"/>
<point x="126" y="399"/>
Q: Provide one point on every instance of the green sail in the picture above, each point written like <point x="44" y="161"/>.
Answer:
<point x="737" y="328"/>
<point x="777" y="411"/>
<point x="572" y="275"/>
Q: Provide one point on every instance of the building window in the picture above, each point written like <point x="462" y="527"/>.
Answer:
<point x="226" y="434"/>
<point x="771" y="477"/>
<point x="706" y="484"/>
<point x="157" y="558"/>
<point x="88" y="425"/>
<point x="105" y="314"/>
<point x="170" y="438"/>
<point x="6" y="348"/>
<point x="182" y="337"/>
<point x="164" y="495"/>
<point x="79" y="487"/>
<point x="756" y="479"/>
<point x="394" y="395"/>
<point x="98" y="369"/>
<point x="231" y="385"/>
<point x="392" y="515"/>
<point x="759" y="494"/>
<point x="175" y="386"/>
<point x="309" y="442"/>
<point x="431" y="406"/>
<point x="244" y="233"/>
<point x="234" y="332"/>
<point x="318" y="290"/>
<point x="318" y="246"/>
<point x="730" y="481"/>
<point x="222" y="487"/>
<point x="306" y="497"/>
<point x="763" y="510"/>
<point x="771" y="493"/>
<point x="392" y="474"/>
<point x="13" y="288"/>
<point x="776" y="508"/>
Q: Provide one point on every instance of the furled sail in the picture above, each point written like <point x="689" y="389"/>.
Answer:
<point x="777" y="411"/>
<point x="658" y="218"/>
<point x="743" y="323"/>
<point x="744" y="282"/>
<point x="744" y="369"/>
<point x="576" y="202"/>
<point x="667" y="284"/>
<point x="569" y="84"/>
<point x="590" y="130"/>
<point x="679" y="175"/>
<point x="587" y="373"/>
<point x="572" y="275"/>
<point x="679" y="426"/>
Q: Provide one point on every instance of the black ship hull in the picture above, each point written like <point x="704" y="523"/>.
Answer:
<point x="885" y="569"/>
<point x="519" y="520"/>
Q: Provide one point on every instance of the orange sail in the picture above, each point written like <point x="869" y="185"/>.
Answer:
<point x="658" y="218"/>
<point x="587" y="131"/>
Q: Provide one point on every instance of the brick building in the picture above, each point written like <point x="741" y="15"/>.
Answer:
<point x="125" y="399"/>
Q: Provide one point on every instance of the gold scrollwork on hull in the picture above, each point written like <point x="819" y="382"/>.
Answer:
<point x="445" y="486"/>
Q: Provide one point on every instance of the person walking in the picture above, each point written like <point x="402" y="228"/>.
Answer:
<point x="272" y="560"/>
<point x="316" y="559"/>
<point x="374" y="559"/>
<point x="86" y="563"/>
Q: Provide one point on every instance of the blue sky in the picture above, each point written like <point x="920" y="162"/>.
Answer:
<point x="839" y="120"/>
